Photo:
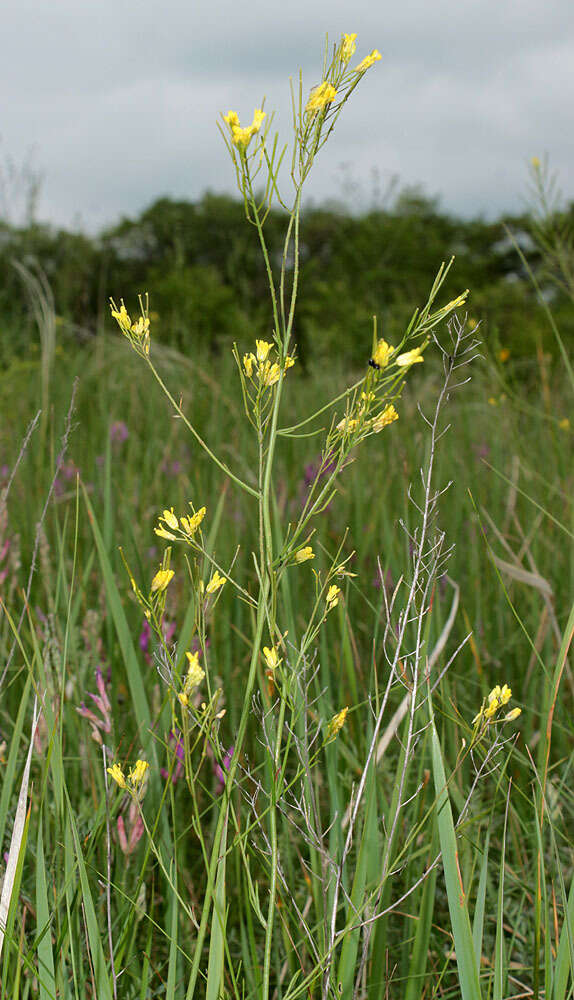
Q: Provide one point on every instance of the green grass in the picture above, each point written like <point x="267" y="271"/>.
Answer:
<point x="81" y="612"/>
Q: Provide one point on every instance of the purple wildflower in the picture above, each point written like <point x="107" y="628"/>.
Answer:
<point x="220" y="770"/>
<point x="179" y="753"/>
<point x="102" y="703"/>
<point x="119" y="432"/>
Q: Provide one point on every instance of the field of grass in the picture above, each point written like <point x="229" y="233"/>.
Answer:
<point x="310" y="779"/>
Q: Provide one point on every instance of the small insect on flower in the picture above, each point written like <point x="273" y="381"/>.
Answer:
<point x="381" y="355"/>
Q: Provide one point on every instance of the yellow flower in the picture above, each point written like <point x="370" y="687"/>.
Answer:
<point x="248" y="362"/>
<point x="170" y="519"/>
<point x="455" y="303"/>
<point x="336" y="724"/>
<point x="289" y="362"/>
<point x="269" y="373"/>
<point x="503" y="355"/>
<point x="302" y="555"/>
<point x="333" y="597"/>
<point x="324" y="94"/>
<point x="472" y="323"/>
<point x="191" y="524"/>
<point x="215" y="583"/>
<point x="165" y="534"/>
<point x="242" y="136"/>
<point x="382" y="354"/>
<point x="263" y="347"/>
<point x="512" y="715"/>
<point x="368" y="61"/>
<point x="121" y="315"/>
<point x="535" y="163"/>
<point x="347" y="424"/>
<point x="564" y="424"/>
<point x="271" y="657"/>
<point x="161" y="580"/>
<point x="117" y="774"/>
<point x="410" y="358"/>
<point x="386" y="417"/>
<point x="195" y="673"/>
<point x="348" y="48"/>
<point x="138" y="772"/>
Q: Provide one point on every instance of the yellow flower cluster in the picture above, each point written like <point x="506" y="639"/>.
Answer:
<point x="498" y="697"/>
<point x="161" y="580"/>
<point x="272" y="658"/>
<point x="336" y="724"/>
<point x="138" y="332"/>
<point x="135" y="777"/>
<point x="384" y="352"/>
<point x="324" y="94"/>
<point x="241" y="137"/>
<point x="387" y="416"/>
<point x="259" y="364"/>
<point x="192" y="680"/>
<point x="368" y="61"/>
<point x="302" y="555"/>
<point x="347" y="48"/>
<point x="185" y="527"/>
<point x="216" y="583"/>
<point x="332" y="597"/>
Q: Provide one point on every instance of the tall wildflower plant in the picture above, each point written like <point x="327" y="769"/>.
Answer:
<point x="301" y="848"/>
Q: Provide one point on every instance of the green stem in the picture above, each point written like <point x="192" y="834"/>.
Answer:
<point x="215" y="851"/>
<point x="198" y="438"/>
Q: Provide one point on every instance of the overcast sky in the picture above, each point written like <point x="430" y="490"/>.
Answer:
<point x="116" y="101"/>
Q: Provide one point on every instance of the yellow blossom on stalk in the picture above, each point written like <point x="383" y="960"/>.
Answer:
<point x="368" y="61"/>
<point x="269" y="373"/>
<point x="215" y="583"/>
<point x="320" y="96"/>
<point x="347" y="424"/>
<point x="455" y="303"/>
<point x="193" y="678"/>
<point x="170" y="519"/>
<point x="384" y="418"/>
<point x="333" y="596"/>
<point x="336" y="724"/>
<point x="410" y="358"/>
<point x="382" y="354"/>
<point x="117" y="774"/>
<point x="302" y="555"/>
<point x="138" y="332"/>
<point x="241" y="137"/>
<point x="348" y="48"/>
<point x="248" y="362"/>
<point x="138" y="772"/>
<point x="512" y="715"/>
<point x="191" y="524"/>
<point x="535" y="162"/>
<point x="289" y="362"/>
<point x="271" y="657"/>
<point x="263" y="347"/>
<point x="161" y="580"/>
<point x="498" y="697"/>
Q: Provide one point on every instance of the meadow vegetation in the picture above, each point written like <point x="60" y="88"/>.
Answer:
<point x="316" y="738"/>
